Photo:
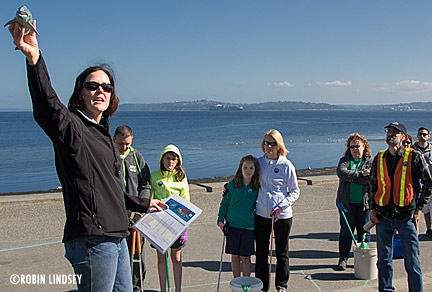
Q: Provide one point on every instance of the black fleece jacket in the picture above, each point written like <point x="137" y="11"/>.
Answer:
<point x="87" y="164"/>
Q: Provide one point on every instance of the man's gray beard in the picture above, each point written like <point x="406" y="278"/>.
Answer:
<point x="392" y="142"/>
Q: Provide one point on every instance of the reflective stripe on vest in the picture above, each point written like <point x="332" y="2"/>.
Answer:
<point x="403" y="178"/>
<point x="403" y="192"/>
<point x="383" y="183"/>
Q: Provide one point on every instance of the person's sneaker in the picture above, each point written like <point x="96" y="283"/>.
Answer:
<point x="429" y="233"/>
<point x="342" y="265"/>
<point x="281" y="289"/>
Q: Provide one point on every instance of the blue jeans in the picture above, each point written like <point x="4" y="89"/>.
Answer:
<point x="410" y="249"/>
<point x="356" y="218"/>
<point x="102" y="261"/>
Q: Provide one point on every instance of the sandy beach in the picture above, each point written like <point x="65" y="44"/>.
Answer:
<point x="31" y="249"/>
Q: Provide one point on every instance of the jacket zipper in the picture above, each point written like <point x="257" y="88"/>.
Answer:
<point x="93" y="204"/>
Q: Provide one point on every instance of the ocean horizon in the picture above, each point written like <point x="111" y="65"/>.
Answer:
<point x="211" y="142"/>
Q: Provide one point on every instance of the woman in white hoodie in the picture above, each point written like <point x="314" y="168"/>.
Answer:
<point x="279" y="190"/>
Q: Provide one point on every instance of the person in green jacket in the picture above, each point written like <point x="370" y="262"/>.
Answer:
<point x="237" y="212"/>
<point x="168" y="180"/>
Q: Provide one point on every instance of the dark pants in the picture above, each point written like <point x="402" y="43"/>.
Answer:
<point x="136" y="271"/>
<point x="356" y="218"/>
<point x="282" y="228"/>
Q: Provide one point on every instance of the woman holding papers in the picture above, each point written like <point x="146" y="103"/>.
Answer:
<point x="168" y="180"/>
<point x="88" y="168"/>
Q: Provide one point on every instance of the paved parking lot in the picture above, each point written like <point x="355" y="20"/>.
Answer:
<point x="32" y="226"/>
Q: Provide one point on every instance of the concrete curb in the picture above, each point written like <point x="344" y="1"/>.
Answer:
<point x="193" y="188"/>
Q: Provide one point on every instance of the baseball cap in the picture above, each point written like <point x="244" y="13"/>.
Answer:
<point x="398" y="126"/>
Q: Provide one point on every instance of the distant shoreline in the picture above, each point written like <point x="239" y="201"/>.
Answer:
<point x="215" y="106"/>
<point x="300" y="173"/>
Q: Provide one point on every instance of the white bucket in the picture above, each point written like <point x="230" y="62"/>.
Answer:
<point x="365" y="260"/>
<point x="245" y="284"/>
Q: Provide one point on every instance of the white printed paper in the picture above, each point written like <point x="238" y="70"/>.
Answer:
<point x="163" y="228"/>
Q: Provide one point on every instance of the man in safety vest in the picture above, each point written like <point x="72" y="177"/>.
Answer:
<point x="136" y="179"/>
<point x="396" y="199"/>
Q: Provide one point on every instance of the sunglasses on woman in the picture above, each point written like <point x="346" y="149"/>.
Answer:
<point x="94" y="86"/>
<point x="268" y="143"/>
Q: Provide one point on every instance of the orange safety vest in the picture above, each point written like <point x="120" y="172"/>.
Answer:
<point x="403" y="191"/>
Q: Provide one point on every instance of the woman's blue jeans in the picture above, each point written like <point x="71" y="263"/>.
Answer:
<point x="410" y="250"/>
<point x="102" y="261"/>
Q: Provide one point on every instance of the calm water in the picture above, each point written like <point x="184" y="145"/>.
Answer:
<point x="211" y="143"/>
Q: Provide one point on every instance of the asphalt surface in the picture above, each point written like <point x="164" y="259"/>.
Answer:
<point x="32" y="255"/>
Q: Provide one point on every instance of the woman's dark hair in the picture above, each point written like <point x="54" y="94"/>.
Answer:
<point x="76" y="98"/>
<point x="238" y="177"/>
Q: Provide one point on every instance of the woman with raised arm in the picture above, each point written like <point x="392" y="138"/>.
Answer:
<point x="88" y="168"/>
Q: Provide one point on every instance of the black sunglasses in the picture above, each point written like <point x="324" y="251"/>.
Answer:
<point x="423" y="134"/>
<point x="268" y="143"/>
<point x="94" y="86"/>
<point x="354" y="146"/>
<point x="392" y="131"/>
<point x="406" y="143"/>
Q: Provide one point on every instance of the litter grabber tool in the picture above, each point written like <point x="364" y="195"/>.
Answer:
<point x="136" y="240"/>
<point x="271" y="250"/>
<point x="167" y="272"/>
<point x="276" y="210"/>
<point x="274" y="217"/>
<point x="278" y="204"/>
<point x="363" y="243"/>
<point x="225" y="232"/>
<point x="342" y="211"/>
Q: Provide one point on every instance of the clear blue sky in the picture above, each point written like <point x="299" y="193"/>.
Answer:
<point x="339" y="52"/>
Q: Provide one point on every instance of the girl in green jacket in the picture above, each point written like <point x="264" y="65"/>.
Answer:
<point x="170" y="179"/>
<point x="237" y="210"/>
